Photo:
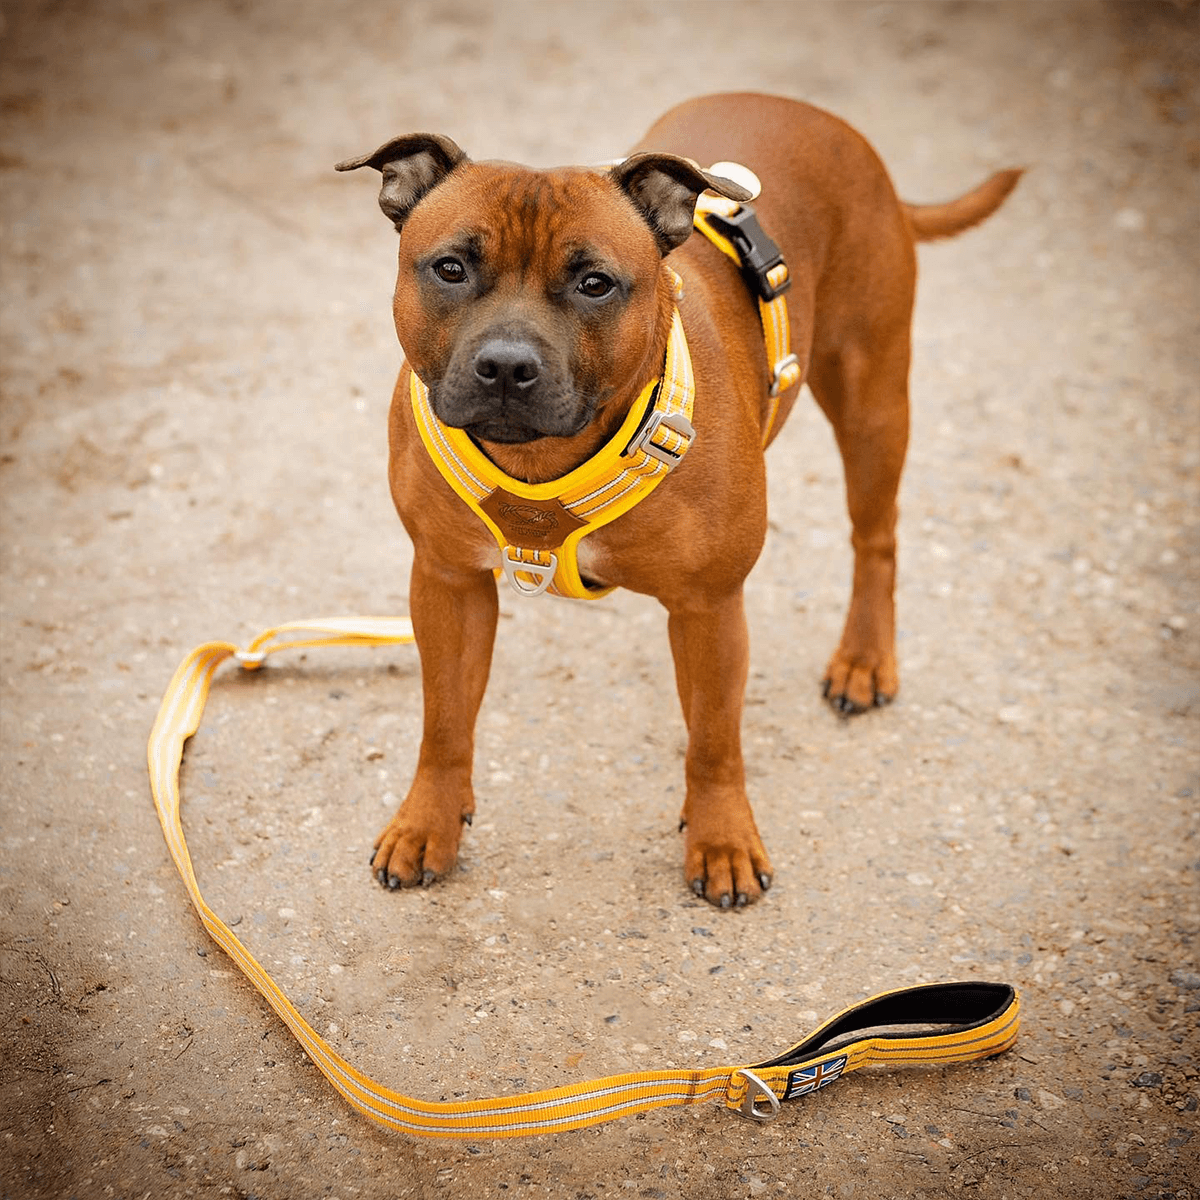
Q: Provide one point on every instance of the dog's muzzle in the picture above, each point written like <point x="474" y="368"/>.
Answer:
<point x="508" y="389"/>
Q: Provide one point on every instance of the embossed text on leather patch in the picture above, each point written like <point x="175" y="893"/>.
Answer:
<point x="537" y="524"/>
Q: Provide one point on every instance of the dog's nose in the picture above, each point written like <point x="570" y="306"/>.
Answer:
<point x="507" y="363"/>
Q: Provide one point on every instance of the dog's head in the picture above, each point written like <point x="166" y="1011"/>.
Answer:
<point x="526" y="299"/>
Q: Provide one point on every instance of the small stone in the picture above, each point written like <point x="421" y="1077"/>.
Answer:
<point x="1148" y="1079"/>
<point x="1022" y="1093"/>
<point x="1189" y="981"/>
<point x="895" y="1120"/>
<point x="1012" y="714"/>
<point x="1049" y="1101"/>
<point x="244" y="1160"/>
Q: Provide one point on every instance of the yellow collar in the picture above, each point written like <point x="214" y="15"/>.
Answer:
<point x="538" y="526"/>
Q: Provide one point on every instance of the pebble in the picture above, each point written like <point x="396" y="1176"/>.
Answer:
<point x="1189" y="981"/>
<point x="245" y="1161"/>
<point x="1012" y="714"/>
<point x="1132" y="220"/>
<point x="1049" y="1101"/>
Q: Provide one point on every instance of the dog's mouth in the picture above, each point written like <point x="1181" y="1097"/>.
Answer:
<point x="508" y="432"/>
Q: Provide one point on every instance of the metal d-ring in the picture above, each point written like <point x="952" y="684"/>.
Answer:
<point x="756" y="1090"/>
<point x="542" y="572"/>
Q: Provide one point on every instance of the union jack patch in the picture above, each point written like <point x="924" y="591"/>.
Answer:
<point x="809" y="1079"/>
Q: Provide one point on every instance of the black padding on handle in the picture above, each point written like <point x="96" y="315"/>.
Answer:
<point x="960" y="1006"/>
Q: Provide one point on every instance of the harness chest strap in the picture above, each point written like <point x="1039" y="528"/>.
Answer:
<point x="934" y="1023"/>
<point x="538" y="526"/>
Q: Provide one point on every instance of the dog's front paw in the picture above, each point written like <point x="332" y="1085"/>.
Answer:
<point x="724" y="860"/>
<point x="855" y="682"/>
<point x="420" y="843"/>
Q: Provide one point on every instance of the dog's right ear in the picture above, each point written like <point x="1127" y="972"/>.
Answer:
<point x="411" y="165"/>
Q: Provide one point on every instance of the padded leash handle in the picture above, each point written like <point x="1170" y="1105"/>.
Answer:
<point x="935" y="1023"/>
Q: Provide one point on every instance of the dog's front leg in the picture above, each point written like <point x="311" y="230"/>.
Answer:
<point x="724" y="859"/>
<point x="454" y="618"/>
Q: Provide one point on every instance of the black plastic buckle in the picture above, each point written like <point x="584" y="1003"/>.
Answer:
<point x="759" y="255"/>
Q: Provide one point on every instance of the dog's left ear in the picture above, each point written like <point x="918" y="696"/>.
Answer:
<point x="664" y="188"/>
<point x="411" y="166"/>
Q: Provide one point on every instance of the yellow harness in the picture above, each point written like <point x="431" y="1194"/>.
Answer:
<point x="538" y="526"/>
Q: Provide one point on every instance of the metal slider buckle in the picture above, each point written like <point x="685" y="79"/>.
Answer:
<point x="642" y="439"/>
<point x="542" y="572"/>
<point x="250" y="659"/>
<point x="759" y="255"/>
<point x="782" y="365"/>
<point x="755" y="1090"/>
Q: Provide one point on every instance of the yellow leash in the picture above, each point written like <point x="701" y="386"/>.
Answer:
<point x="934" y="1023"/>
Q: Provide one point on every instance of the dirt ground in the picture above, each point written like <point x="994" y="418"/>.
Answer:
<point x="197" y="358"/>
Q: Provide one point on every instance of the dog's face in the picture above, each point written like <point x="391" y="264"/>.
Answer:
<point x="526" y="299"/>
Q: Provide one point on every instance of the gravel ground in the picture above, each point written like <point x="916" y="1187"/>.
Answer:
<point x="197" y="357"/>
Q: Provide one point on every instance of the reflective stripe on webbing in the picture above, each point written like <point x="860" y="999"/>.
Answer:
<point x="933" y="1023"/>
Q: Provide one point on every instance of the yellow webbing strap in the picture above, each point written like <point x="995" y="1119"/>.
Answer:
<point x="785" y="369"/>
<point x="935" y="1023"/>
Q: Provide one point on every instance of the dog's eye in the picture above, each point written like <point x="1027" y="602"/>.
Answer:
<point x="450" y="270"/>
<point x="595" y="286"/>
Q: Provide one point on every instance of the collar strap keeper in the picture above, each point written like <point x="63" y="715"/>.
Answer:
<point x="664" y="436"/>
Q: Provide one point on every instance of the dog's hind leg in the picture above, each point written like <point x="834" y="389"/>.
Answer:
<point x="864" y="393"/>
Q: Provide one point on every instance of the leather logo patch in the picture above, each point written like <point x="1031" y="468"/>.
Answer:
<point x="536" y="524"/>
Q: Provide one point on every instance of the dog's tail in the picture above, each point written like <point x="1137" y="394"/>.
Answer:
<point x="932" y="221"/>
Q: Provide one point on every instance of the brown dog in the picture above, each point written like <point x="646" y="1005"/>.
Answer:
<point x="535" y="305"/>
